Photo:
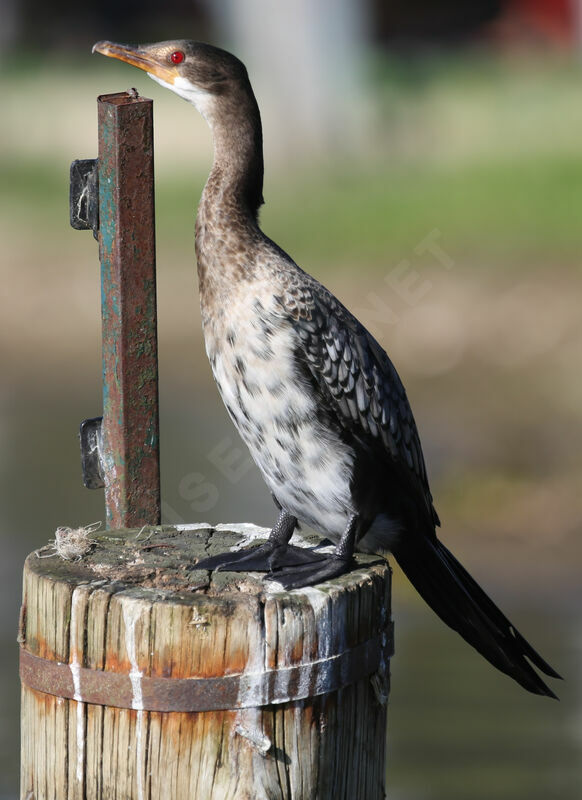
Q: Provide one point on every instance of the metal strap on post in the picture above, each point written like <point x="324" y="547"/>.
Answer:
<point x="243" y="690"/>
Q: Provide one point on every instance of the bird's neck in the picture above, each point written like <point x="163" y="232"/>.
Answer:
<point x="236" y="179"/>
<point x="227" y="229"/>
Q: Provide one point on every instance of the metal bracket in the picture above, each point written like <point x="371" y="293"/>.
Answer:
<point x="90" y="435"/>
<point x="84" y="216"/>
<point x="84" y="195"/>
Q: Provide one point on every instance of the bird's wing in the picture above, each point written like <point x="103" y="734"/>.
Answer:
<point x="358" y="380"/>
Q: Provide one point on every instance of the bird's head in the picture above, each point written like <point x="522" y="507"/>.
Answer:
<point x="217" y="84"/>
<point x="200" y="73"/>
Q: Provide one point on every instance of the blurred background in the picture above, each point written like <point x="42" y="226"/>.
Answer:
<point x="423" y="161"/>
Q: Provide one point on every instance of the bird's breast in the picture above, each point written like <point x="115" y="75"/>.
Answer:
<point x="253" y="351"/>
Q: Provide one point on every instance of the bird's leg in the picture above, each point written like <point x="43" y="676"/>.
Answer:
<point x="328" y="566"/>
<point x="274" y="554"/>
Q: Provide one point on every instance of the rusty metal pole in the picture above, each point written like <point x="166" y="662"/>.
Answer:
<point x="129" y="446"/>
<point x="113" y="196"/>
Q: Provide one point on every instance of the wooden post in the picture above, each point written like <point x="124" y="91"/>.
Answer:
<point x="144" y="678"/>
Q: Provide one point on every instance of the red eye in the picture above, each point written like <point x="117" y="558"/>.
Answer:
<point x="177" y="57"/>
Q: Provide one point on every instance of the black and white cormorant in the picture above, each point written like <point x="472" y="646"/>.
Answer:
<point x="312" y="393"/>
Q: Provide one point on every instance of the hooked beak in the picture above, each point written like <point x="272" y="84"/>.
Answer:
<point x="144" y="58"/>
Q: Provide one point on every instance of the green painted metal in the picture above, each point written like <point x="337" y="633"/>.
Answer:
<point x="130" y="432"/>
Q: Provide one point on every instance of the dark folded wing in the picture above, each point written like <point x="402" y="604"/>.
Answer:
<point x="358" y="379"/>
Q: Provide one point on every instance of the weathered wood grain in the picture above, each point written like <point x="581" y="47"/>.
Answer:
<point x="135" y="604"/>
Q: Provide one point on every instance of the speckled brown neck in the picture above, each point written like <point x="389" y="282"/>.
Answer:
<point x="226" y="225"/>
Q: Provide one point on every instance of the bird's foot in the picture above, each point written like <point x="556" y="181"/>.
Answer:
<point x="309" y="573"/>
<point x="268" y="557"/>
<point x="326" y="567"/>
<point x="292" y="567"/>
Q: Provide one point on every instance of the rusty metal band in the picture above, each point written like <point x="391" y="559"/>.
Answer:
<point x="242" y="690"/>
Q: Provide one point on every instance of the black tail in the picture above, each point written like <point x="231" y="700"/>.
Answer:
<point x="460" y="602"/>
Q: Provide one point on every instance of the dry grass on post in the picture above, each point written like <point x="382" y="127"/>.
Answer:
<point x="144" y="679"/>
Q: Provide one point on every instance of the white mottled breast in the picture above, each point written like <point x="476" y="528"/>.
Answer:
<point x="303" y="461"/>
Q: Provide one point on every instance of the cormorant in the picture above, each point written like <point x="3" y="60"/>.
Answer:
<point x="312" y="393"/>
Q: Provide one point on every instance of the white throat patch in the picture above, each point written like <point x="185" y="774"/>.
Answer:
<point x="201" y="100"/>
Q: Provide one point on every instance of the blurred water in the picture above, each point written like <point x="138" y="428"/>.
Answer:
<point x="459" y="730"/>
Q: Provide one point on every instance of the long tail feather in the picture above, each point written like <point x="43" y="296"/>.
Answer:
<point x="460" y="602"/>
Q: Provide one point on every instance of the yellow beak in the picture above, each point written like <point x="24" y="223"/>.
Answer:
<point x="147" y="58"/>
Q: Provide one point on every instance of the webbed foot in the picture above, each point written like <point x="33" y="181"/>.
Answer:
<point x="267" y="557"/>
<point x="324" y="568"/>
<point x="327" y="566"/>
<point x="273" y="555"/>
<point x="292" y="567"/>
